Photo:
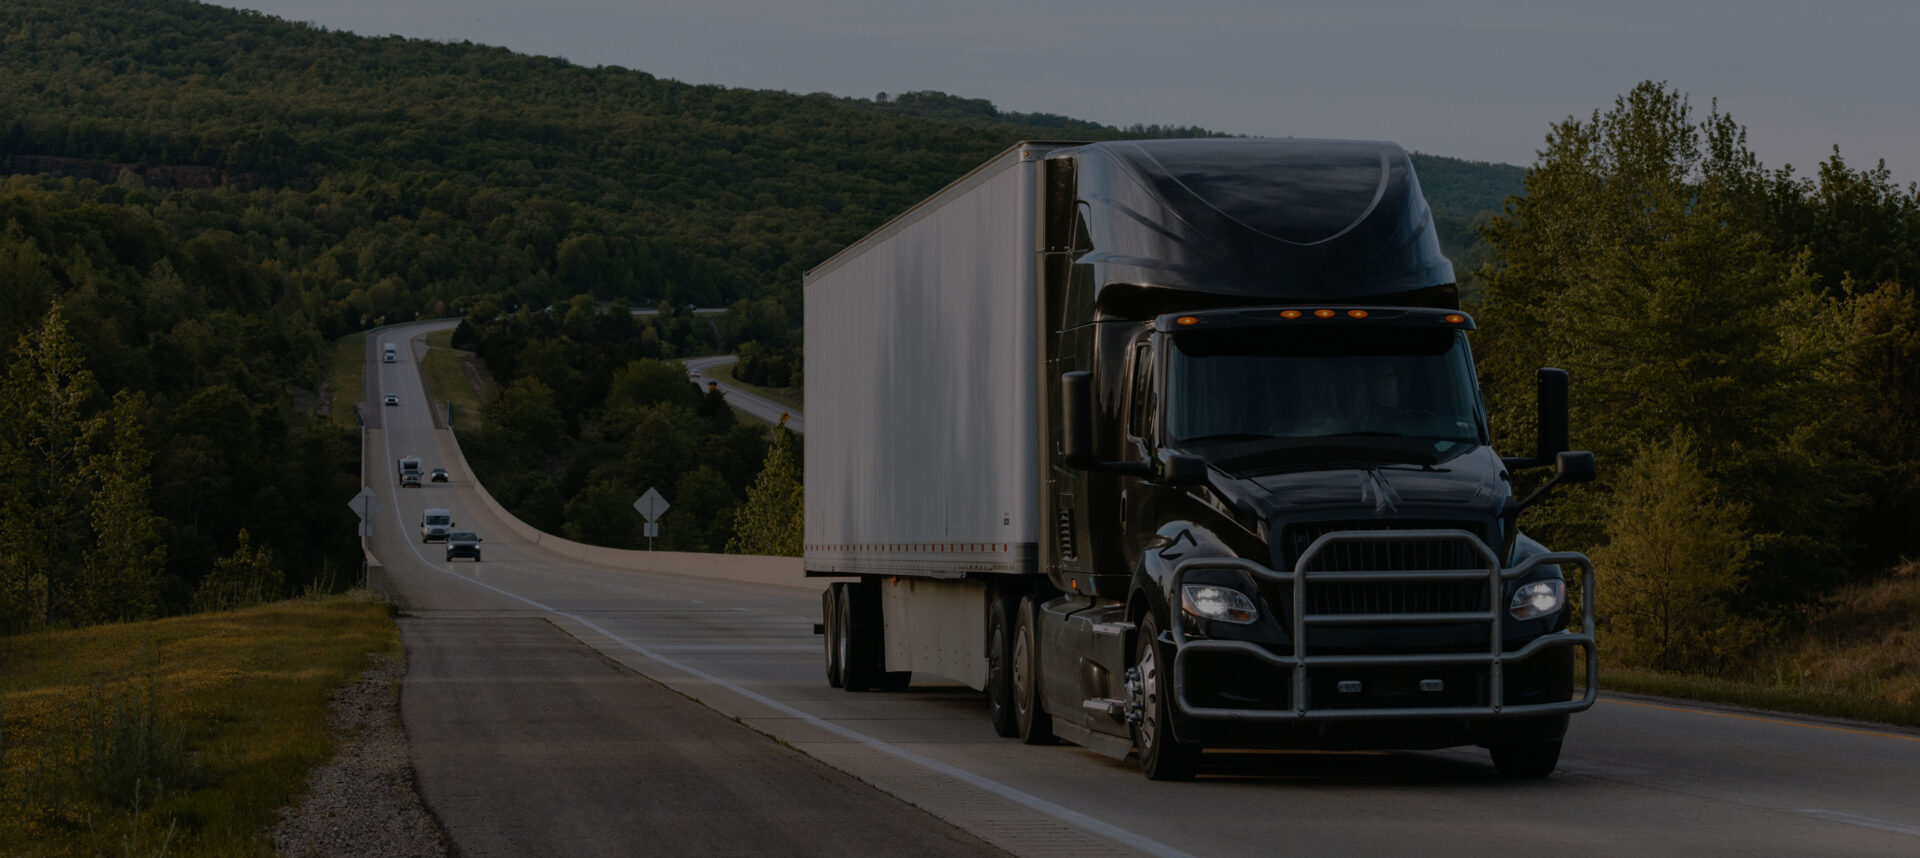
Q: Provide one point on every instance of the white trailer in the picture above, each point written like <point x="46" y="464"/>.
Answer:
<point x="923" y="407"/>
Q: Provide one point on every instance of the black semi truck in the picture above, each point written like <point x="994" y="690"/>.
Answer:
<point x="1178" y="444"/>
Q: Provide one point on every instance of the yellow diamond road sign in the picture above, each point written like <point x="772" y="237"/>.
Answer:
<point x="651" y="504"/>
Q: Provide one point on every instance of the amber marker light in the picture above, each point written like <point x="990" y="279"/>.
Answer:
<point x="1454" y="318"/>
<point x="1289" y="314"/>
<point x="1187" y="320"/>
<point x="1323" y="314"/>
<point x="1356" y="314"/>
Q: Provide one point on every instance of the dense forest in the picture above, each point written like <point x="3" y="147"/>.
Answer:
<point x="197" y="200"/>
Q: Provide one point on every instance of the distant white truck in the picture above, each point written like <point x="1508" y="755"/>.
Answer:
<point x="409" y="465"/>
<point x="390" y="353"/>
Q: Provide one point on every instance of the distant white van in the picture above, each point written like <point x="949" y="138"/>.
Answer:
<point x="435" y="524"/>
<point x="390" y="353"/>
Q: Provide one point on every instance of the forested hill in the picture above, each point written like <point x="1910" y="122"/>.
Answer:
<point x="194" y="200"/>
<point x="387" y="174"/>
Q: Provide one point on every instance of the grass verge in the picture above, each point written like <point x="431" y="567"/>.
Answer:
<point x="1831" y="704"/>
<point x="447" y="380"/>
<point x="788" y="397"/>
<point x="346" y="374"/>
<point x="1859" y="658"/>
<point x="181" y="735"/>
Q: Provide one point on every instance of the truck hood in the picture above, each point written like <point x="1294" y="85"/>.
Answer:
<point x="1469" y="486"/>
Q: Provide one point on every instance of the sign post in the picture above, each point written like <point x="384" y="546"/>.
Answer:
<point x="364" y="505"/>
<point x="651" y="505"/>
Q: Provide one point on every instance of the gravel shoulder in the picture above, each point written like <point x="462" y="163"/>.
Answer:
<point x="363" y="801"/>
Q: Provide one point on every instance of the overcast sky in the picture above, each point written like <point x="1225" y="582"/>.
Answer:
<point x="1479" y="79"/>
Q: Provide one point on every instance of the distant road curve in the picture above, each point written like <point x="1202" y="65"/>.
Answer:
<point x="759" y="408"/>
<point x="698" y="311"/>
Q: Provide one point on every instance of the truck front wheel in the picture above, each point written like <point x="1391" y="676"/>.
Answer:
<point x="1000" y="708"/>
<point x="1162" y="757"/>
<point x="1036" y="726"/>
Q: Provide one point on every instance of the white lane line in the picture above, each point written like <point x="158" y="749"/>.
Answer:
<point x="1862" y="821"/>
<point x="737" y="648"/>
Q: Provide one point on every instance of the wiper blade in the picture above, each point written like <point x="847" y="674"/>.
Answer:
<point x="1358" y="435"/>
<point x="1228" y="436"/>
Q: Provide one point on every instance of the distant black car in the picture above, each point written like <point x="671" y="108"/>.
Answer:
<point x="463" y="543"/>
<point x="438" y="475"/>
<point x="392" y="399"/>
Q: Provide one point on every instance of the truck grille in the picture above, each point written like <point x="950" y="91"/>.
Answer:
<point x="1387" y="597"/>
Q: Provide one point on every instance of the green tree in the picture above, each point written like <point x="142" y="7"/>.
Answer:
<point x="525" y="418"/>
<point x="701" y="518"/>
<point x="1676" y="556"/>
<point x="121" y="574"/>
<point x="603" y="514"/>
<point x="662" y="447"/>
<point x="772" y="520"/>
<point x="248" y="576"/>
<point x="46" y="431"/>
<point x="1633" y="262"/>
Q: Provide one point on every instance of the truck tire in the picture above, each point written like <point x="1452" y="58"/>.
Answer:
<point x="1525" y="759"/>
<point x="830" y="624"/>
<point x="1162" y="757"/>
<point x="863" y="655"/>
<point x="1035" y="725"/>
<point x="856" y="659"/>
<point x="1000" y="707"/>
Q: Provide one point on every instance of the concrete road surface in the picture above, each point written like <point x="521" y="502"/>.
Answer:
<point x="1638" y="777"/>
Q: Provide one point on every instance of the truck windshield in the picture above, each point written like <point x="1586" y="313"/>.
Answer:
<point x="440" y="520"/>
<point x="1393" y="388"/>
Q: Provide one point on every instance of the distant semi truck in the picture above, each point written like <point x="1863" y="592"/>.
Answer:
<point x="390" y="353"/>
<point x="1171" y="445"/>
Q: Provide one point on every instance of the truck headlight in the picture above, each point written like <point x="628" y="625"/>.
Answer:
<point x="1220" y="604"/>
<point x="1538" y="599"/>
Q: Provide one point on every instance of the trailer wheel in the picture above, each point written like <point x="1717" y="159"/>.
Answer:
<point x="856" y="658"/>
<point x="1000" y="708"/>
<point x="830" y="623"/>
<point x="1162" y="757"/>
<point x="1036" y="726"/>
<point x="1525" y="759"/>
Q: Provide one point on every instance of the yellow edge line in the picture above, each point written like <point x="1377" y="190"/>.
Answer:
<point x="1763" y="720"/>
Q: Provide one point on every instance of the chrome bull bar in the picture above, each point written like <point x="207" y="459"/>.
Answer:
<point x="1300" y="663"/>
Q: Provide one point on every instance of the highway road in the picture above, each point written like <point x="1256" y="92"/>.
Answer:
<point x="537" y="727"/>
<point x="759" y="408"/>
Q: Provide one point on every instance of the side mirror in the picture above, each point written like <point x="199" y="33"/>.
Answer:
<point x="1574" y="466"/>
<point x="1550" y="402"/>
<point x="1076" y="428"/>
<point x="1181" y="469"/>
